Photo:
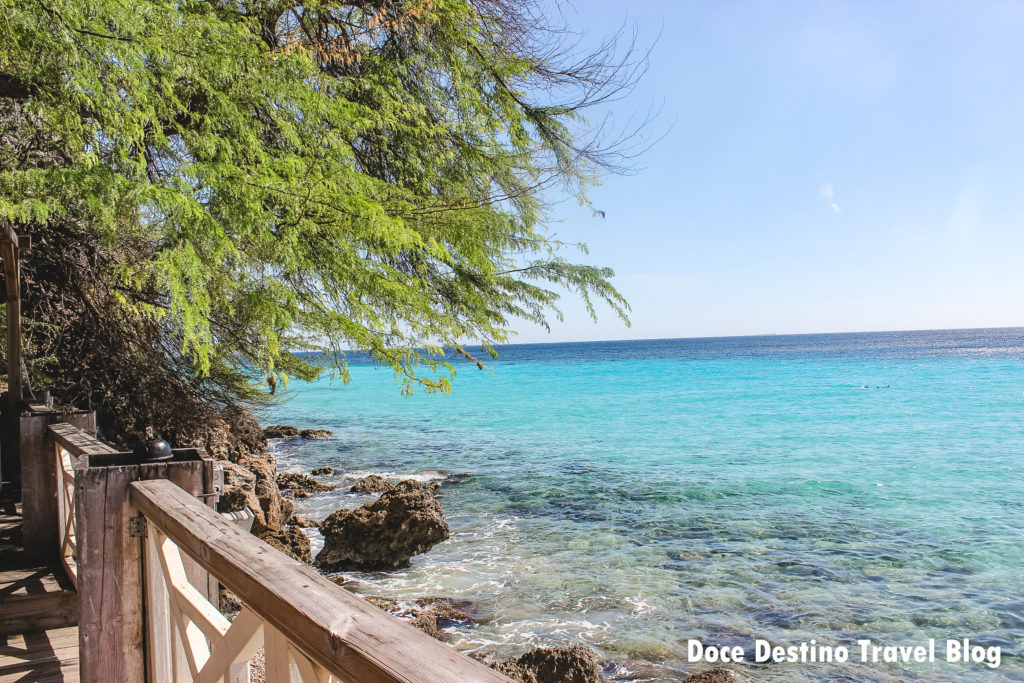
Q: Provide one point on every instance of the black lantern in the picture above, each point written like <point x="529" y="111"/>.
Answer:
<point x="154" y="449"/>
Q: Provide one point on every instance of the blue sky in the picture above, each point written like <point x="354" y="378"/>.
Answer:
<point x="831" y="166"/>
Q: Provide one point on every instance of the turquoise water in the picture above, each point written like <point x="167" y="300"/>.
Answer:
<point x="635" y="495"/>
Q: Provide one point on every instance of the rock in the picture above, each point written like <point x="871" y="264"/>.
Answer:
<point x="576" y="664"/>
<point x="318" y="471"/>
<point x="385" y="534"/>
<point x="372" y="484"/>
<point x="304" y="522"/>
<point x="448" y="611"/>
<point x="290" y="541"/>
<point x="301" y="485"/>
<point x="426" y="621"/>
<point x="281" y="432"/>
<point x="239" y="490"/>
<point x="252" y="483"/>
<point x="430" y="616"/>
<point x="236" y="436"/>
<point x="230" y="606"/>
<point x="717" y="675"/>
<point x="287" y="432"/>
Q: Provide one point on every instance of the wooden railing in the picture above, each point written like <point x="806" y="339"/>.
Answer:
<point x="70" y="444"/>
<point x="311" y="630"/>
<point x="146" y="552"/>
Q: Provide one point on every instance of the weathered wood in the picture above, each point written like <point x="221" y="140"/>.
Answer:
<point x="335" y="628"/>
<point x="10" y="468"/>
<point x="40" y="656"/>
<point x="39" y="478"/>
<point x="159" y="631"/>
<point x="110" y="580"/>
<point x="9" y="455"/>
<point x="33" y="598"/>
<point x="79" y="440"/>
<point x="109" y="577"/>
<point x="21" y="613"/>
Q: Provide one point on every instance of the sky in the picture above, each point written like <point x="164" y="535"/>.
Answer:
<point x="825" y="167"/>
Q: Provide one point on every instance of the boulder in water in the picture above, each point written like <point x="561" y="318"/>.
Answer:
<point x="281" y="432"/>
<point x="385" y="534"/>
<point x="318" y="471"/>
<point x="289" y="432"/>
<point x="316" y="434"/>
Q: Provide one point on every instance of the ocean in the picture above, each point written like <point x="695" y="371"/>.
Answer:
<point x="635" y="495"/>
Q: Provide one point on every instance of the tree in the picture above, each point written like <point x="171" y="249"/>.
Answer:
<point x="228" y="183"/>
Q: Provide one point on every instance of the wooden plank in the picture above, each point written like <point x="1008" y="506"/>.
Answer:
<point x="160" y="634"/>
<point x="20" y="613"/>
<point x="337" y="629"/>
<point x="78" y="439"/>
<point x="32" y="580"/>
<point x="39" y="656"/>
<point x="19" y="644"/>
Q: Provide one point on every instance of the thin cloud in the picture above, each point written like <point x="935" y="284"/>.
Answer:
<point x="828" y="193"/>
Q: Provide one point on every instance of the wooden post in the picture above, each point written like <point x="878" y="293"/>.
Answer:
<point x="111" y="629"/>
<point x="9" y="456"/>
<point x="39" y="480"/>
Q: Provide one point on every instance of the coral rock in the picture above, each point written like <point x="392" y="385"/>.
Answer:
<point x="385" y="534"/>
<point x="576" y="664"/>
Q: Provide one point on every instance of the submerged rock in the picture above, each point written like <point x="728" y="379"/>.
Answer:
<point x="372" y="484"/>
<point x="717" y="675"/>
<point x="317" y="471"/>
<point x="301" y="485"/>
<point x="430" y="615"/>
<point x="385" y="534"/>
<point x="576" y="664"/>
<point x="290" y="541"/>
<point x="304" y="522"/>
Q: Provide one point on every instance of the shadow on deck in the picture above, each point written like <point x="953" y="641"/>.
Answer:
<point x="38" y="611"/>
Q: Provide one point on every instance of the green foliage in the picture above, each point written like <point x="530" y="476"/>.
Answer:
<point x="303" y="176"/>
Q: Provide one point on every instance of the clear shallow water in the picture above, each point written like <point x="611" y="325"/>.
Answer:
<point x="634" y="495"/>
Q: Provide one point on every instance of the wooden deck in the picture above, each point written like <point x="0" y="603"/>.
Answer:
<point x="40" y="656"/>
<point x="38" y="612"/>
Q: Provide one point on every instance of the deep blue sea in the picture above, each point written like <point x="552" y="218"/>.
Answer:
<point x="634" y="495"/>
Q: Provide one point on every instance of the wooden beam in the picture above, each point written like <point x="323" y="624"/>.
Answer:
<point x="78" y="442"/>
<point x="7" y="234"/>
<point x="338" y="630"/>
<point x="12" y="429"/>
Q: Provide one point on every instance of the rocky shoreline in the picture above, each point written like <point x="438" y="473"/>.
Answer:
<point x="404" y="521"/>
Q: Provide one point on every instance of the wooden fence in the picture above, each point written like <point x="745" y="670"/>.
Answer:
<point x="148" y="551"/>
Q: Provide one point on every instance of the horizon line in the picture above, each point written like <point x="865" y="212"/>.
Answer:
<point x="762" y="334"/>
